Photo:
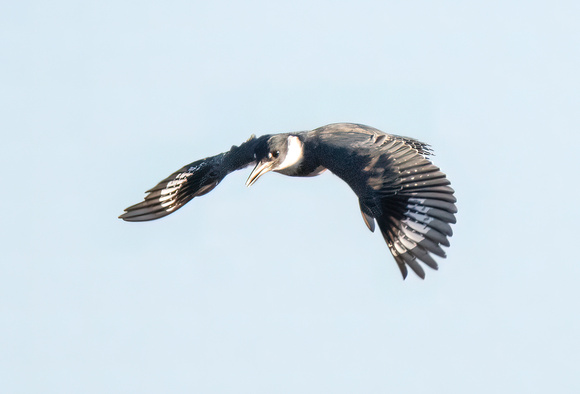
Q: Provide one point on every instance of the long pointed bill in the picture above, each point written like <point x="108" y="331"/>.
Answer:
<point x="260" y="169"/>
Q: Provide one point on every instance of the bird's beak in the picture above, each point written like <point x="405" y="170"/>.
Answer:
<point x="260" y="169"/>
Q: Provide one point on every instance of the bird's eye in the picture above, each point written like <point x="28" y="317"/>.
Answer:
<point x="275" y="154"/>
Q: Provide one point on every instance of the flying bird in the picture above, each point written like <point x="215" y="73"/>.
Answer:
<point x="398" y="187"/>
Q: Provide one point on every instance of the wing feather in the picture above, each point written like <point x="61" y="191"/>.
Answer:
<point x="398" y="186"/>
<point x="193" y="180"/>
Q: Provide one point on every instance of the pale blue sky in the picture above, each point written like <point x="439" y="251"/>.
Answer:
<point x="280" y="288"/>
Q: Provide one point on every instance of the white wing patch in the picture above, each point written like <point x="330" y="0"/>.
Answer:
<point x="168" y="194"/>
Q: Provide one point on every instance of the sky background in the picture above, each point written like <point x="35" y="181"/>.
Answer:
<point x="281" y="288"/>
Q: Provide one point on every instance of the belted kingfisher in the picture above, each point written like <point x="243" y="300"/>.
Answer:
<point x="397" y="184"/>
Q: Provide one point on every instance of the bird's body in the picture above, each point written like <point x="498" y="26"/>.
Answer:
<point x="398" y="186"/>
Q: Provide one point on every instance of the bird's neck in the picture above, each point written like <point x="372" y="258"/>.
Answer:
<point x="300" y="160"/>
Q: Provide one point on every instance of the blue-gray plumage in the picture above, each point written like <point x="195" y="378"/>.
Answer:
<point x="398" y="186"/>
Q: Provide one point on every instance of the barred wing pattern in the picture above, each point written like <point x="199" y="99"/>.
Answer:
<point x="404" y="192"/>
<point x="193" y="180"/>
<point x="414" y="210"/>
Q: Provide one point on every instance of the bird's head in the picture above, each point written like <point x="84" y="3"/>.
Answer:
<point x="281" y="153"/>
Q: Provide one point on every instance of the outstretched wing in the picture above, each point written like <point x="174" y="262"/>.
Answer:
<point x="415" y="209"/>
<point x="193" y="180"/>
<point x="399" y="187"/>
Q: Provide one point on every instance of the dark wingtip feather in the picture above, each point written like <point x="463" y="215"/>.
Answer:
<point x="402" y="266"/>
<point x="412" y="262"/>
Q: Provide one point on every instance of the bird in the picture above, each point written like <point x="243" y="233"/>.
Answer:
<point x="399" y="188"/>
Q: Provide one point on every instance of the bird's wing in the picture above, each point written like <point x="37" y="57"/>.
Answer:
<point x="399" y="187"/>
<point x="193" y="180"/>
